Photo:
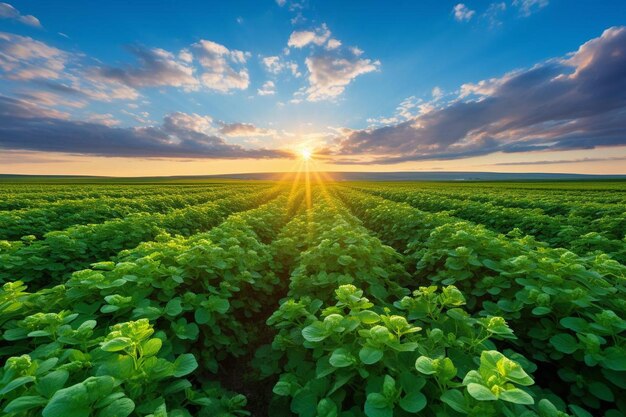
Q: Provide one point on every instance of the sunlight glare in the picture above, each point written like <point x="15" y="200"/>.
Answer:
<point x="306" y="154"/>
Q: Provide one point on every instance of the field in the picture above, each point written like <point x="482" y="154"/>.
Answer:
<point x="313" y="299"/>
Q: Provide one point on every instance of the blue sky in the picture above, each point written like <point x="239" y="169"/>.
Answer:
<point x="172" y="84"/>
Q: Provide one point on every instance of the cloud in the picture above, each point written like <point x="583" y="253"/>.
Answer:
<point x="244" y="130"/>
<point x="576" y="102"/>
<point x="106" y="119"/>
<point x="300" y="39"/>
<point x="24" y="126"/>
<point x="437" y="93"/>
<point x="330" y="72"/>
<point x="9" y="12"/>
<point x="40" y="65"/>
<point x="563" y="161"/>
<point x="528" y="7"/>
<point x="293" y="5"/>
<point x="221" y="69"/>
<point x="493" y="13"/>
<point x="268" y="89"/>
<point x="224" y="69"/>
<point x="156" y="68"/>
<point x="49" y="99"/>
<point x="275" y="65"/>
<point x="331" y="67"/>
<point x="462" y="13"/>
<point x="23" y="58"/>
<point x="333" y="44"/>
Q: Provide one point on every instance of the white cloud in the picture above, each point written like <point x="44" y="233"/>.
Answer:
<point x="223" y="68"/>
<point x="333" y="44"/>
<point x="48" y="99"/>
<point x="318" y="36"/>
<point x="267" y="89"/>
<point x="331" y="67"/>
<point x="330" y="73"/>
<point x="9" y="12"/>
<point x="276" y="65"/>
<point x="462" y="13"/>
<point x="528" y="7"/>
<point x="437" y="93"/>
<point x="188" y="121"/>
<point x="493" y="12"/>
<point x="23" y="58"/>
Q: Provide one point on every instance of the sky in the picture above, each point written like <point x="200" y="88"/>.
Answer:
<point x="139" y="88"/>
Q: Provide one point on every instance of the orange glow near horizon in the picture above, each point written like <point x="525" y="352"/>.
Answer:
<point x="48" y="163"/>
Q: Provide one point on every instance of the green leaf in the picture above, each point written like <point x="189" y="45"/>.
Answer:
<point x="218" y="304"/>
<point x="52" y="382"/>
<point x="202" y="315"/>
<point x="425" y="365"/>
<point x="345" y="260"/>
<point x="15" y="334"/>
<point x="615" y="359"/>
<point x="601" y="391"/>
<point x="119" y="408"/>
<point x="69" y="402"/>
<point x="564" y="342"/>
<point x="480" y="392"/>
<point x="455" y="399"/>
<point x="116" y="344"/>
<point x="341" y="358"/>
<point x="574" y="323"/>
<point x="376" y="405"/>
<point x="282" y="388"/>
<point x="370" y="355"/>
<point x="25" y="403"/>
<point x="413" y="402"/>
<point x="541" y="311"/>
<point x="327" y="408"/>
<point x="547" y="409"/>
<point x="316" y="332"/>
<point x="368" y="317"/>
<point x="174" y="307"/>
<point x="304" y="403"/>
<point x="579" y="412"/>
<point x="39" y="333"/>
<point x="151" y="347"/>
<point x="516" y="396"/>
<point x="16" y="383"/>
<point x="184" y="365"/>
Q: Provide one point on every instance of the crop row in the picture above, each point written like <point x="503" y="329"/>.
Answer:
<point x="31" y="196"/>
<point x="603" y="235"/>
<point x="590" y="203"/>
<point x="59" y="253"/>
<point x="137" y="335"/>
<point x="351" y="305"/>
<point x="15" y="224"/>
<point x="566" y="311"/>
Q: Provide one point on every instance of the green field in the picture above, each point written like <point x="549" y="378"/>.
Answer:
<point x="313" y="299"/>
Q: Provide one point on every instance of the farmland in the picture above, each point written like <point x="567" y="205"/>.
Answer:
<point x="313" y="299"/>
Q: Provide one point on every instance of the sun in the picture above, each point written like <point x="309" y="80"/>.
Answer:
<point x="306" y="154"/>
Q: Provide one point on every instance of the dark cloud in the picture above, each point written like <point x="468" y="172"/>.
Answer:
<point x="574" y="103"/>
<point x="244" y="129"/>
<point x="24" y="126"/>
<point x="156" y="67"/>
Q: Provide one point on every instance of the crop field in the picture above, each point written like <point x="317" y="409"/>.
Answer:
<point x="313" y="299"/>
